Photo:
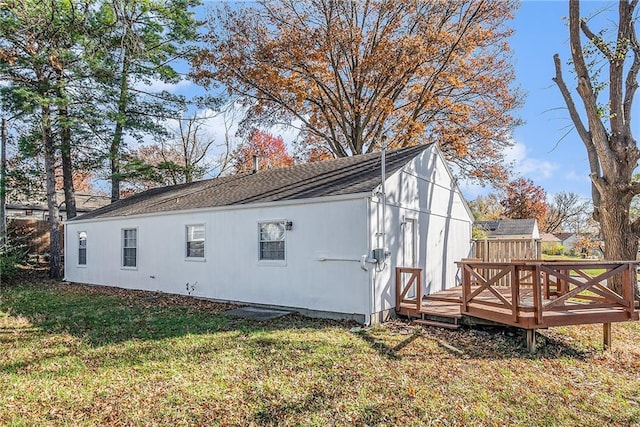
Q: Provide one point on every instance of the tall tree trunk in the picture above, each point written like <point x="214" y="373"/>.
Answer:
<point x="55" y="259"/>
<point x="621" y="244"/>
<point x="65" y="148"/>
<point x="116" y="143"/>
<point x="3" y="182"/>
<point x="612" y="151"/>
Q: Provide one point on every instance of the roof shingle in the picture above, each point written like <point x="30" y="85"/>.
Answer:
<point x="347" y="175"/>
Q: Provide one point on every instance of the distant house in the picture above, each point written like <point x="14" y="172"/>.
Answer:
<point x="36" y="207"/>
<point x="550" y="241"/>
<point x="322" y="238"/>
<point x="568" y="240"/>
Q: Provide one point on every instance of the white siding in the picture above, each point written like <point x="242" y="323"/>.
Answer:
<point x="231" y="270"/>
<point x="423" y="190"/>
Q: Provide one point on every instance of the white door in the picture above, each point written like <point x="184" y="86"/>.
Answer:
<point x="409" y="257"/>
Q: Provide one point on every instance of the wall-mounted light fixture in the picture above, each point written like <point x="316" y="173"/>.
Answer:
<point x="288" y="225"/>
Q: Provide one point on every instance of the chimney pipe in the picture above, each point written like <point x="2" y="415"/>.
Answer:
<point x="255" y="164"/>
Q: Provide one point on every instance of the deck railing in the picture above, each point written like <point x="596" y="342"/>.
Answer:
<point x="540" y="288"/>
<point x="408" y="288"/>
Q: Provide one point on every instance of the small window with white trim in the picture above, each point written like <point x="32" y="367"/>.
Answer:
<point x="130" y="247"/>
<point x="195" y="241"/>
<point x="82" y="248"/>
<point x="272" y="241"/>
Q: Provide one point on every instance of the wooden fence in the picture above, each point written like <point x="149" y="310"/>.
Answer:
<point x="494" y="250"/>
<point x="31" y="233"/>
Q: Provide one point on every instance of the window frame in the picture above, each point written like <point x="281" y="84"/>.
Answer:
<point x="81" y="247"/>
<point x="123" y="247"/>
<point x="187" y="257"/>
<point x="266" y="261"/>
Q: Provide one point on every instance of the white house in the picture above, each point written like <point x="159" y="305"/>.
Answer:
<point x="302" y="237"/>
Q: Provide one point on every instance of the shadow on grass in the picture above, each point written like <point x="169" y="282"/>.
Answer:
<point x="102" y="316"/>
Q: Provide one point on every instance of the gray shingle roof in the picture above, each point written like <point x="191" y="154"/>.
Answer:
<point x="507" y="227"/>
<point x="347" y="175"/>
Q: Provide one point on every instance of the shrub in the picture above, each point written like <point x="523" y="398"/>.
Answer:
<point x="553" y="250"/>
<point x="11" y="256"/>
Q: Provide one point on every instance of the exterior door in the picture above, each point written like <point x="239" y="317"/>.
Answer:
<point x="409" y="256"/>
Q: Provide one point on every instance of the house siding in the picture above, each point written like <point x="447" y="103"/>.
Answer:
<point x="321" y="271"/>
<point x="423" y="190"/>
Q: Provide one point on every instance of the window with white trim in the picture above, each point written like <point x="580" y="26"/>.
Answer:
<point x="82" y="248"/>
<point x="195" y="241"/>
<point x="130" y="247"/>
<point x="272" y="238"/>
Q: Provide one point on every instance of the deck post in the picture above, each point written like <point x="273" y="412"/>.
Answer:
<point x="606" y="336"/>
<point x="466" y="287"/>
<point x="537" y="294"/>
<point x="515" y="292"/>
<point x="531" y="340"/>
<point x="627" y="288"/>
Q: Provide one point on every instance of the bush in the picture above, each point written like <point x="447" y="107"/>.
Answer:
<point x="11" y="256"/>
<point x="553" y="250"/>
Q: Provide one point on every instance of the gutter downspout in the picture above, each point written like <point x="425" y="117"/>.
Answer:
<point x="370" y="276"/>
<point x="384" y="194"/>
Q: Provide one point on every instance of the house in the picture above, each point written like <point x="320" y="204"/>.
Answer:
<point x="550" y="243"/>
<point x="36" y="207"/>
<point x="316" y="237"/>
<point x="568" y="240"/>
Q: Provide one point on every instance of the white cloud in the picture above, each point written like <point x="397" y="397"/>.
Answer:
<point x="156" y="85"/>
<point x="573" y="176"/>
<point x="518" y="156"/>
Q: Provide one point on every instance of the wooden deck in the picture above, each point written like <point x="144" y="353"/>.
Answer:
<point x="525" y="294"/>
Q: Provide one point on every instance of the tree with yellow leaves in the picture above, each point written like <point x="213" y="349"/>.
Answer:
<point x="351" y="71"/>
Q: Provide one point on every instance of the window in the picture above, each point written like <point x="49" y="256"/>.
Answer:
<point x="82" y="248"/>
<point x="195" y="241"/>
<point x="28" y="212"/>
<point x="272" y="241"/>
<point x="129" y="247"/>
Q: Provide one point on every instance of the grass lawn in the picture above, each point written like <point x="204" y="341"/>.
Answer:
<point x="79" y="355"/>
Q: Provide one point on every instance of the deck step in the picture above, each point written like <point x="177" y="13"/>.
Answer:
<point x="437" y="324"/>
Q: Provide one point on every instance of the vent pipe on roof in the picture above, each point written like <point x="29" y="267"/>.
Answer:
<point x="255" y="164"/>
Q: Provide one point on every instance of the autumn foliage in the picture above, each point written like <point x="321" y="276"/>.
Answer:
<point x="351" y="71"/>
<point x="524" y="199"/>
<point x="270" y="150"/>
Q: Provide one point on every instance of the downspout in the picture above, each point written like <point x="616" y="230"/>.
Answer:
<point x="370" y="274"/>
<point x="384" y="194"/>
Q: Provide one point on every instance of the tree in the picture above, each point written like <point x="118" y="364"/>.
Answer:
<point x="270" y="150"/>
<point x="351" y="71"/>
<point x="486" y="207"/>
<point x="563" y="211"/>
<point x="35" y="43"/>
<point x="137" y="42"/>
<point x="524" y="199"/>
<point x="605" y="128"/>
<point x="185" y="152"/>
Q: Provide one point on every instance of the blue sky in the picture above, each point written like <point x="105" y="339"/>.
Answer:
<point x="546" y="149"/>
<point x="542" y="152"/>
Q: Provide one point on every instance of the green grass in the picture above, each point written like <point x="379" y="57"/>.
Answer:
<point x="76" y="355"/>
